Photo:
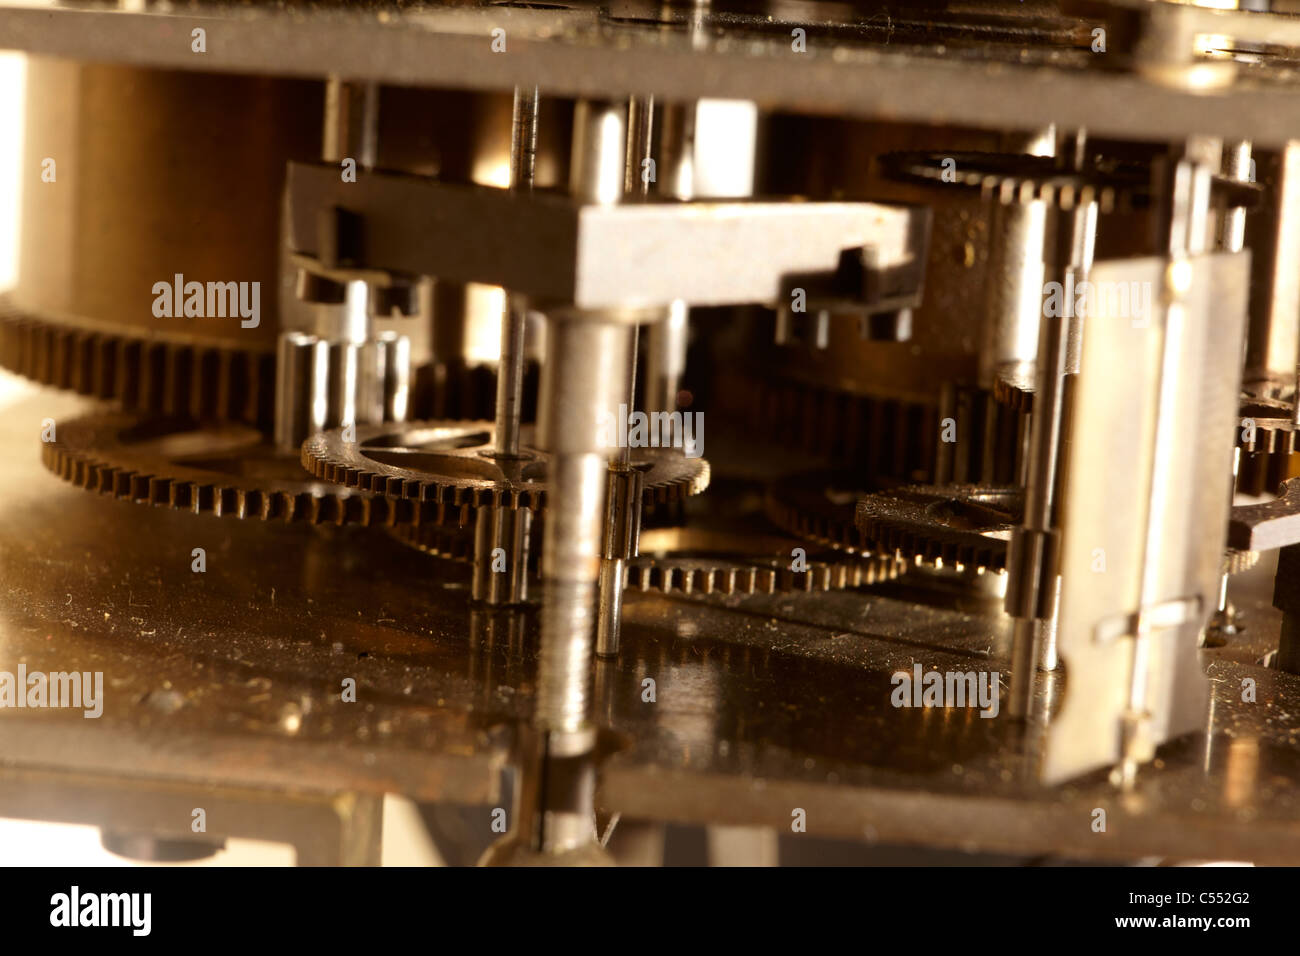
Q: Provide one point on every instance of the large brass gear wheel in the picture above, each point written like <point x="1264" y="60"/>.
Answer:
<point x="452" y="464"/>
<point x="882" y="439"/>
<point x="224" y="469"/>
<point x="174" y="375"/>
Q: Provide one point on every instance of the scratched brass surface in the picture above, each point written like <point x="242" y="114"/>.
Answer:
<point x="763" y="703"/>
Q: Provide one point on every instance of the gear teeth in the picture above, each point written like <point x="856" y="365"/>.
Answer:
<point x="745" y="561"/>
<point x="1236" y="561"/>
<point x="1266" y="449"/>
<point x="687" y="575"/>
<point x="1013" y="395"/>
<point x="90" y="454"/>
<point x="1271" y="441"/>
<point x="451" y="541"/>
<point x="876" y="438"/>
<point x="178" y="378"/>
<point x="1010" y="178"/>
<point x="912" y="524"/>
<point x="797" y="506"/>
<point x="1262" y="474"/>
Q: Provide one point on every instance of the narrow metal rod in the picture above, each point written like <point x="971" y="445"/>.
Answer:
<point x="510" y="375"/>
<point x="1033" y="561"/>
<point x="351" y="122"/>
<point x="637" y="184"/>
<point x="641" y="117"/>
<point x="1189" y="209"/>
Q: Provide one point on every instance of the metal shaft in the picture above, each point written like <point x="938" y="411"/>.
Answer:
<point x="585" y="374"/>
<point x="501" y="535"/>
<point x="1188" y="227"/>
<point x="1273" y="236"/>
<point x="1033" y="559"/>
<point x="622" y="530"/>
<point x="1232" y="238"/>
<point x="510" y="377"/>
<point x="351" y="122"/>
<point x="1009" y="336"/>
<point x="584" y="379"/>
<point x="622" y="512"/>
<point x="665" y="358"/>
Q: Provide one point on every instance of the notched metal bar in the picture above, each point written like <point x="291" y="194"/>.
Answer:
<point x="552" y="249"/>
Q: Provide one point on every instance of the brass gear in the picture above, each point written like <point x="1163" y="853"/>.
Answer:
<point x="817" y="507"/>
<point x="965" y="526"/>
<point x="452" y="464"/>
<point x="1273" y="432"/>
<point x="702" y="561"/>
<point x="958" y="525"/>
<point x="1014" y="388"/>
<point x="177" y="375"/>
<point x="1237" y="562"/>
<point x="882" y="439"/>
<point x="1014" y="178"/>
<point x="221" y="469"/>
<point x="1267" y="447"/>
<point x="451" y="541"/>
<point x="1010" y="178"/>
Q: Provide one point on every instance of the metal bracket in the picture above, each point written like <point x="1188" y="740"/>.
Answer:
<point x="557" y="250"/>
